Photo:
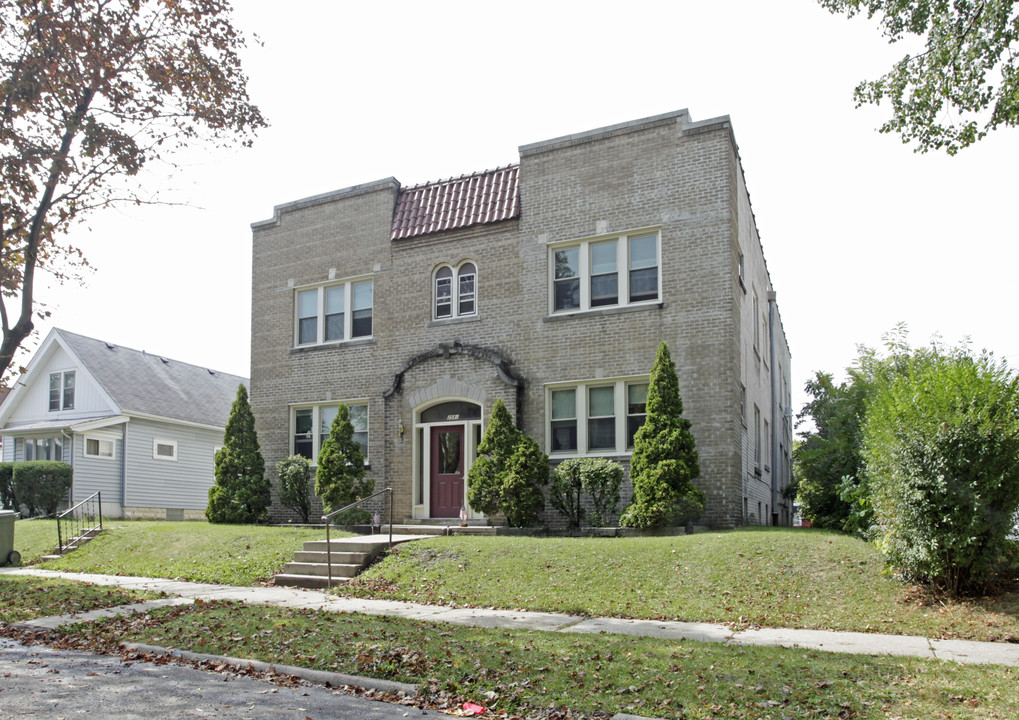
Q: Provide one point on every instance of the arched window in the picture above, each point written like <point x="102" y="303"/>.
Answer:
<point x="456" y="291"/>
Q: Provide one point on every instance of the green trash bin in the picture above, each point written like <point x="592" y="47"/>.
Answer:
<point x="8" y="555"/>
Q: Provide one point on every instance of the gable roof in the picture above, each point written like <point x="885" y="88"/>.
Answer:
<point x="143" y="384"/>
<point x="481" y="198"/>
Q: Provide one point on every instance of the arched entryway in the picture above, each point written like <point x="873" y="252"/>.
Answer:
<point x="446" y="438"/>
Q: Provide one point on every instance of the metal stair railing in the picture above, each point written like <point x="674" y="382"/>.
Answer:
<point x="328" y="520"/>
<point x="85" y="518"/>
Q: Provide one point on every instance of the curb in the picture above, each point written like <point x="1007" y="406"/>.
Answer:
<point x="317" y="677"/>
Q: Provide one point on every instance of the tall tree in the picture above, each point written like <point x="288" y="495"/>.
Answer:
<point x="664" y="461"/>
<point x="484" y="479"/>
<point x="339" y="477"/>
<point x="962" y="85"/>
<point x="242" y="493"/>
<point x="92" y="91"/>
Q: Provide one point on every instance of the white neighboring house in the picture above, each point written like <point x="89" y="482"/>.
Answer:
<point x="141" y="428"/>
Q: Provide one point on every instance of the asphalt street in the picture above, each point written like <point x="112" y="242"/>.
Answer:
<point x="40" y="682"/>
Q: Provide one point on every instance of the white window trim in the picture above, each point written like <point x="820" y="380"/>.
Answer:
<point x="61" y="404"/>
<point x="100" y="439"/>
<point x="348" y="311"/>
<point x="622" y="270"/>
<point x="316" y="421"/>
<point x="454" y="291"/>
<point x="619" y="406"/>
<point x="156" y="442"/>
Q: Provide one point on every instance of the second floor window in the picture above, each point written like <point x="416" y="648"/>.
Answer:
<point x="62" y="391"/>
<point x="618" y="271"/>
<point x="456" y="291"/>
<point x="334" y="313"/>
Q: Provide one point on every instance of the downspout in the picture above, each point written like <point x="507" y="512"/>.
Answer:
<point x="776" y="411"/>
<point x="70" y="461"/>
<point x="123" y="469"/>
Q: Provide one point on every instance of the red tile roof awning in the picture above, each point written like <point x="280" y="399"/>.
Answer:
<point x="478" y="199"/>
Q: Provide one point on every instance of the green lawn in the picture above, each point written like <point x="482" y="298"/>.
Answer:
<point x="34" y="538"/>
<point x="25" y="598"/>
<point x="196" y="551"/>
<point x="778" y="578"/>
<point x="527" y="673"/>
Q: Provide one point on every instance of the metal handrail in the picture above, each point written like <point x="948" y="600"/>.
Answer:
<point x="328" y="520"/>
<point x="97" y="497"/>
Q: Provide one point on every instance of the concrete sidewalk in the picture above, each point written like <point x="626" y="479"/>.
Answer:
<point x="962" y="651"/>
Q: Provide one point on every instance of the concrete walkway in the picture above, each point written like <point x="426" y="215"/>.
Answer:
<point x="962" y="651"/>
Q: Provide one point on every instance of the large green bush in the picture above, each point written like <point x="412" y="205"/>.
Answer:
<point x="484" y="479"/>
<point x="340" y="477"/>
<point x="664" y="461"/>
<point x="942" y="453"/>
<point x="520" y="492"/>
<point x="294" y="475"/>
<point x="596" y="478"/>
<point x="7" y="497"/>
<point x="242" y="493"/>
<point x="41" y="485"/>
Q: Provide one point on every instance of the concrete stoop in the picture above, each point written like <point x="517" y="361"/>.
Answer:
<point x="72" y="544"/>
<point x="310" y="566"/>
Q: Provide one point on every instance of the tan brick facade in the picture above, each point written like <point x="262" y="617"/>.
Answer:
<point x="663" y="177"/>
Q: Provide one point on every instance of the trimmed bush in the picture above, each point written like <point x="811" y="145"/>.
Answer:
<point x="597" y="478"/>
<point x="339" y="478"/>
<point x="7" y="498"/>
<point x="664" y="460"/>
<point x="520" y="495"/>
<point x="242" y="493"/>
<point x="294" y="475"/>
<point x="41" y="485"/>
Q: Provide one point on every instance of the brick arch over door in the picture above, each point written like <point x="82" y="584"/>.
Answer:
<point x="444" y="350"/>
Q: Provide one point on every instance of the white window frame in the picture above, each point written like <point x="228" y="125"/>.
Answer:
<point x="585" y="274"/>
<point x="316" y="421"/>
<point x="620" y="408"/>
<point x="156" y="442"/>
<point x="62" y="404"/>
<point x="320" y="313"/>
<point x="456" y="294"/>
<point x="100" y="440"/>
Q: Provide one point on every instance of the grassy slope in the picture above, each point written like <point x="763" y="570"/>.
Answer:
<point x="26" y="598"/>
<point x="34" y="538"/>
<point x="197" y="551"/>
<point x="778" y="578"/>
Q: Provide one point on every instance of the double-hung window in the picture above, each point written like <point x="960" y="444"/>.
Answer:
<point x="605" y="272"/>
<point x="334" y="313"/>
<point x="456" y="291"/>
<point x="313" y="423"/>
<point x="598" y="417"/>
<point x="61" y="391"/>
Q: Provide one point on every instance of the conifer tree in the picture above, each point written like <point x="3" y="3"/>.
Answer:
<point x="242" y="492"/>
<point x="664" y="460"/>
<point x="484" y="479"/>
<point x="339" y="478"/>
<point x="520" y="496"/>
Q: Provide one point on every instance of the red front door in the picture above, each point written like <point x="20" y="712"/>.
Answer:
<point x="447" y="485"/>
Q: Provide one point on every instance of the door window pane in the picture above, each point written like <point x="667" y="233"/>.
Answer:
<point x="449" y="453"/>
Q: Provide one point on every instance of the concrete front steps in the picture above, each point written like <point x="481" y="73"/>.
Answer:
<point x="350" y="556"/>
<point x="72" y="544"/>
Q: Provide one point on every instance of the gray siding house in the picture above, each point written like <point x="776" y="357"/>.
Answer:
<point x="141" y="428"/>
<point x="548" y="284"/>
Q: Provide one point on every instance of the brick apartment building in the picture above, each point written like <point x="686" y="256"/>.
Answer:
<point x="548" y="284"/>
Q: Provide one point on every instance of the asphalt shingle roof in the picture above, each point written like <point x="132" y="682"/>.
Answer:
<point x="477" y="199"/>
<point x="148" y="384"/>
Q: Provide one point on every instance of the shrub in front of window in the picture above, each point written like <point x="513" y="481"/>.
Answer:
<point x="339" y="478"/>
<point x="7" y="498"/>
<point x="664" y="461"/>
<point x="242" y="492"/>
<point x="41" y="485"/>
<point x="597" y="478"/>
<point x="520" y="489"/>
<point x="294" y="475"/>
<point x="498" y="444"/>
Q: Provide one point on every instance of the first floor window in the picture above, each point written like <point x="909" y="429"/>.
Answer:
<point x="596" y="418"/>
<point x="98" y="447"/>
<point x="620" y="271"/>
<point x="307" y="441"/>
<point x="323" y="317"/>
<point x="163" y="449"/>
<point x="44" y="448"/>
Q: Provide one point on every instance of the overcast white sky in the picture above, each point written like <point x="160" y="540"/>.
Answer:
<point x="859" y="232"/>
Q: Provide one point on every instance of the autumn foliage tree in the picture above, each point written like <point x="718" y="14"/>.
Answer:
<point x="91" y="92"/>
